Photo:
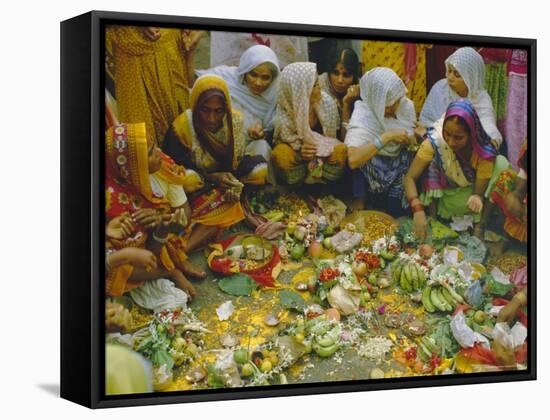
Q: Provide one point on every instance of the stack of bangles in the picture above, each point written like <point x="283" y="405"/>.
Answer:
<point x="416" y="205"/>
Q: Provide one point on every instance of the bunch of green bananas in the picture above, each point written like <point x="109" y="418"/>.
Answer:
<point x="274" y="215"/>
<point x="426" y="348"/>
<point x="408" y="274"/>
<point x="440" y="297"/>
<point x="326" y="335"/>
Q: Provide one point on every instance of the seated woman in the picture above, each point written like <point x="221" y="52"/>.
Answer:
<point x="142" y="215"/>
<point x="378" y="134"/>
<point x="510" y="195"/>
<point x="253" y="89"/>
<point x="209" y="139"/>
<point x="457" y="161"/>
<point x="306" y="122"/>
<point x="465" y="79"/>
<point x="341" y="83"/>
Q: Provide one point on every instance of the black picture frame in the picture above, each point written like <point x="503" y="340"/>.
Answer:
<point x="82" y="204"/>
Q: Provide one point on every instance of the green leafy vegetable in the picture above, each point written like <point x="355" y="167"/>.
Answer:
<point x="292" y="300"/>
<point x="238" y="285"/>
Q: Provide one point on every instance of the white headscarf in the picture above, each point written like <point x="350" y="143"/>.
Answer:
<point x="380" y="87"/>
<point x="292" y="115"/>
<point x="469" y="63"/>
<point x="260" y="106"/>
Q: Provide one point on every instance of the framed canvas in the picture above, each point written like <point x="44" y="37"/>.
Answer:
<point x="257" y="209"/>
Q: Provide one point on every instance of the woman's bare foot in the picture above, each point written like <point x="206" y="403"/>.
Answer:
<point x="184" y="284"/>
<point x="190" y="270"/>
<point x="357" y="204"/>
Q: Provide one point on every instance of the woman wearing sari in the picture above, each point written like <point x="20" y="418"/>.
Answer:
<point x="209" y="138"/>
<point x="146" y="209"/>
<point x="510" y="195"/>
<point x="341" y="83"/>
<point x="465" y="79"/>
<point x="306" y="124"/>
<point x="457" y="161"/>
<point x="152" y="74"/>
<point x="378" y="134"/>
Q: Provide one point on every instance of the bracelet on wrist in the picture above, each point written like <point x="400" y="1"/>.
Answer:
<point x="418" y="207"/>
<point x="412" y="200"/>
<point x="160" y="240"/>
<point x="378" y="143"/>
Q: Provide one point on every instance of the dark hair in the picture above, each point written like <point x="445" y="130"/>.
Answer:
<point x="459" y="120"/>
<point x="348" y="58"/>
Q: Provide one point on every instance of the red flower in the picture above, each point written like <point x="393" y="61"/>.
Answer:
<point x="434" y="361"/>
<point x="410" y="354"/>
<point x="328" y="274"/>
<point x="371" y="260"/>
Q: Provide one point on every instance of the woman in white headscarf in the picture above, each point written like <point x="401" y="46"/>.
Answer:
<point x="306" y="122"/>
<point x="253" y="88"/>
<point x="465" y="79"/>
<point x="378" y="135"/>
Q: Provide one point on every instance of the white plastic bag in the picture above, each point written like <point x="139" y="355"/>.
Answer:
<point x="159" y="295"/>
<point x="464" y="335"/>
<point x="510" y="338"/>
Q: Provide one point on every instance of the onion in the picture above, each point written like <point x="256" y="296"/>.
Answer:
<point x="426" y="251"/>
<point x="359" y="268"/>
<point x="332" y="314"/>
<point x="315" y="249"/>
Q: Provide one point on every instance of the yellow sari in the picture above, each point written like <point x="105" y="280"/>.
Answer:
<point x="223" y="151"/>
<point x="150" y="77"/>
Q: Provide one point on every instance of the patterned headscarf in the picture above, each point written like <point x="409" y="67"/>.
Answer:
<point x="380" y="87"/>
<point x="261" y="106"/>
<point x="469" y="63"/>
<point x="127" y="157"/>
<point x="292" y="115"/>
<point x="448" y="169"/>
<point x="481" y="142"/>
<point x="296" y="84"/>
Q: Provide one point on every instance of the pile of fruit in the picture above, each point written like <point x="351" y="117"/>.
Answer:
<point x="440" y="297"/>
<point x="408" y="274"/>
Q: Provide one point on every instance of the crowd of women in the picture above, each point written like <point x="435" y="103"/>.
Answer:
<point x="183" y="144"/>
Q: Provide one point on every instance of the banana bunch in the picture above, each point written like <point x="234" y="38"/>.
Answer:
<point x="409" y="275"/>
<point x="440" y="297"/>
<point x="326" y="335"/>
<point x="274" y="215"/>
<point x="426" y="348"/>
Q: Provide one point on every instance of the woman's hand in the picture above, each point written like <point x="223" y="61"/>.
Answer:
<point x="148" y="218"/>
<point x="420" y="132"/>
<point x="351" y="95"/>
<point x="309" y="150"/>
<point x="514" y="205"/>
<point x="225" y="180"/>
<point x="399" y="136"/>
<point x="117" y="317"/>
<point x="121" y="227"/>
<point x="140" y="258"/>
<point x="191" y="39"/>
<point x="175" y="222"/>
<point x="256" y="132"/>
<point x="475" y="203"/>
<point x="232" y="195"/>
<point x="151" y="33"/>
<point x="420" y="225"/>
